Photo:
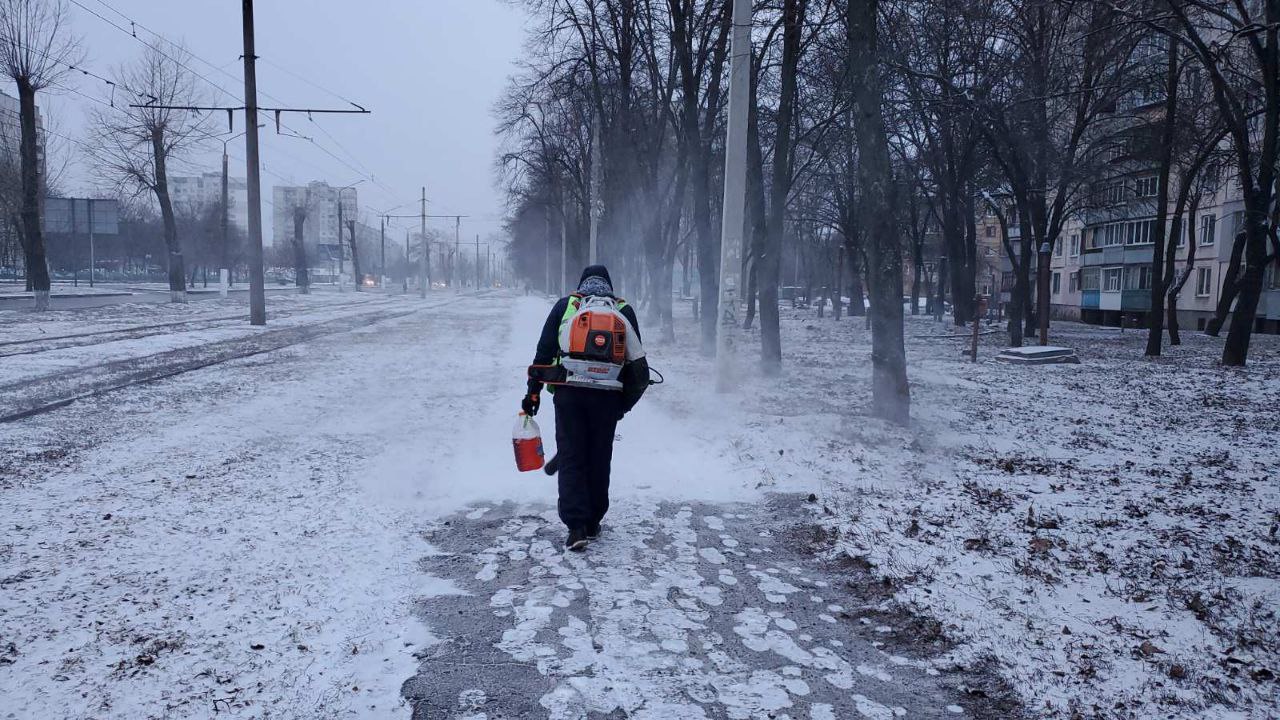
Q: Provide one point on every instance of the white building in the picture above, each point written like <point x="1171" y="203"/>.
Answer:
<point x="321" y="204"/>
<point x="11" y="131"/>
<point x="191" y="193"/>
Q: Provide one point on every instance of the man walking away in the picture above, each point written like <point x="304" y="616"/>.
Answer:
<point x="592" y="339"/>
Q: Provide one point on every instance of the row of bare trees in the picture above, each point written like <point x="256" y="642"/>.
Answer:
<point x="134" y="141"/>
<point x="1017" y="108"/>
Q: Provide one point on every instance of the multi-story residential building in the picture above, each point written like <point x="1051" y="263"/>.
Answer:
<point x="321" y="201"/>
<point x="191" y="193"/>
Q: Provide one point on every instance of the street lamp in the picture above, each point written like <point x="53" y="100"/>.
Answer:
<point x="224" y="274"/>
<point x="353" y="238"/>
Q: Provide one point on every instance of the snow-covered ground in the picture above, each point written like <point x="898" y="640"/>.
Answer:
<point x="1106" y="533"/>
<point x="245" y="540"/>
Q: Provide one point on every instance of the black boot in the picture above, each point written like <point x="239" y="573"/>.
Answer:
<point x="577" y="540"/>
<point x="593" y="531"/>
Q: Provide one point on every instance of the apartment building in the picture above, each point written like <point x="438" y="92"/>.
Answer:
<point x="321" y="203"/>
<point x="192" y="193"/>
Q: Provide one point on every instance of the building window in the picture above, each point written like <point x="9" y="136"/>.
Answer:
<point x="1089" y="279"/>
<point x="1146" y="187"/>
<point x="991" y="231"/>
<point x="1057" y="283"/>
<point x="1075" y="245"/>
<point x="1057" y="248"/>
<point x="1204" y="282"/>
<point x="1113" y="193"/>
<point x="1075" y="282"/>
<point x="1141" y="232"/>
<point x="1208" y="229"/>
<point x="1137" y="277"/>
<point x="1111" y="278"/>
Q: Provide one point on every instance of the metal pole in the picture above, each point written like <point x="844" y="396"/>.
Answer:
<point x="92" y="260"/>
<point x="225" y="272"/>
<point x="75" y="261"/>
<point x="546" y="249"/>
<point x="735" y="192"/>
<point x="382" y="274"/>
<point x="457" y="250"/>
<point x="1042" y="294"/>
<point x="257" y="283"/>
<point x="426" y="258"/>
<point x="477" y="263"/>
<point x="597" y="201"/>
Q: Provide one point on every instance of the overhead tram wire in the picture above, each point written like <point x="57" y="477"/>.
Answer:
<point x="133" y="33"/>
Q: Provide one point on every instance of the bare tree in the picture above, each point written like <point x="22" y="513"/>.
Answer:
<point x="134" y="145"/>
<point x="890" y="393"/>
<point x="36" y="50"/>
<point x="1238" y="44"/>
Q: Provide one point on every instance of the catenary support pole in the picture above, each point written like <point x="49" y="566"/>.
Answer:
<point x="257" y="283"/>
<point x="735" y="191"/>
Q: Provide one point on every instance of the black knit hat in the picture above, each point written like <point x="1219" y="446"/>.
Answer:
<point x="599" y="271"/>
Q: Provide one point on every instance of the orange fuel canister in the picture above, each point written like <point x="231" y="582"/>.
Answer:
<point x="527" y="439"/>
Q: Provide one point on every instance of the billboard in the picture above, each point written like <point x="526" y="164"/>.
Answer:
<point x="71" y="215"/>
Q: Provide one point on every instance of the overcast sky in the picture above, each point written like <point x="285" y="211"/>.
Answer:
<point x="429" y="70"/>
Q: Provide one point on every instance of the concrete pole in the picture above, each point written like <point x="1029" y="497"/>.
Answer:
<point x="382" y="265"/>
<point x="457" y="249"/>
<point x="597" y="187"/>
<point x="257" y="283"/>
<point x="735" y="197"/>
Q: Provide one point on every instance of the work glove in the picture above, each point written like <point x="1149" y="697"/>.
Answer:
<point x="531" y="403"/>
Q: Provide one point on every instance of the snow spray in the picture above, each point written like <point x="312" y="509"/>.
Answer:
<point x="527" y="439"/>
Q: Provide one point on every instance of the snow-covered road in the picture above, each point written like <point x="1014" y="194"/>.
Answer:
<point x="294" y="534"/>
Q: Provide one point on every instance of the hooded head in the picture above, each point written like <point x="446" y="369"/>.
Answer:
<point x="595" y="281"/>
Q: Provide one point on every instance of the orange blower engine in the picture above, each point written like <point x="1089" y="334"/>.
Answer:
<point x="594" y="345"/>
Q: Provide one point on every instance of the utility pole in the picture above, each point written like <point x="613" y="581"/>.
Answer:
<point x="382" y="272"/>
<point x="546" y="250"/>
<point x="457" y="249"/>
<point x="478" y="263"/>
<point x="735" y="197"/>
<point x="257" y="284"/>
<point x="426" y="257"/>
<point x="597" y="201"/>
<point x="341" y="254"/>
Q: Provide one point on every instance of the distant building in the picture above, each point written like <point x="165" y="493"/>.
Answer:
<point x="11" y="132"/>
<point x="321" y="203"/>
<point x="191" y="193"/>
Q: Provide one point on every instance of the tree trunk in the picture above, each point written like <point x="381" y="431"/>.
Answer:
<point x="1230" y="288"/>
<point x="32" y="235"/>
<point x="769" y="262"/>
<point x="1236" y="348"/>
<point x="177" y="277"/>
<point x="355" y="257"/>
<point x="1175" y="337"/>
<point x="857" y="299"/>
<point x="890" y="392"/>
<point x="301" y="277"/>
<point x="1155" y="316"/>
<point x="839" y="281"/>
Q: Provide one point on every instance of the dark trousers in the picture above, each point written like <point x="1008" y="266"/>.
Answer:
<point x="585" y="423"/>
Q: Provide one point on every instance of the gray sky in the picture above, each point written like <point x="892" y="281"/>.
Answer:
<point x="429" y="70"/>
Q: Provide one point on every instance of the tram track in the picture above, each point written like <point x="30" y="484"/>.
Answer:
<point x="36" y="396"/>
